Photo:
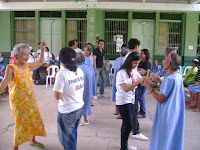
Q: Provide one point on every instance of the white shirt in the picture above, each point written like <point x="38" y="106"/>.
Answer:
<point x="47" y="56"/>
<point x="78" y="50"/>
<point x="123" y="97"/>
<point x="38" y="52"/>
<point x="126" y="55"/>
<point x="71" y="86"/>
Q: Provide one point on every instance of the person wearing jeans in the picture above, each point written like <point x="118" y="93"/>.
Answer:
<point x="126" y="80"/>
<point x="99" y="65"/>
<point x="141" y="90"/>
<point x="68" y="90"/>
<point x="69" y="123"/>
<point x="101" y="72"/>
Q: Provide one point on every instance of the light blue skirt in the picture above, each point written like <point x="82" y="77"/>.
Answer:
<point x="194" y="89"/>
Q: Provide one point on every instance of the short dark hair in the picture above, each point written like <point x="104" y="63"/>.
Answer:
<point x="89" y="44"/>
<point x="47" y="48"/>
<point x="127" y="65"/>
<point x="75" y="40"/>
<point x="39" y="43"/>
<point x="132" y="43"/>
<point x="71" y="43"/>
<point x="100" y="41"/>
<point x="146" y="52"/>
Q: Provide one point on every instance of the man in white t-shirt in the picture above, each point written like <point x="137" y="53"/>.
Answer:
<point x="68" y="89"/>
<point x="76" y="47"/>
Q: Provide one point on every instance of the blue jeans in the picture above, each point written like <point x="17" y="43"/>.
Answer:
<point x="126" y="111"/>
<point x="67" y="128"/>
<point x="102" y="73"/>
<point x="141" y="90"/>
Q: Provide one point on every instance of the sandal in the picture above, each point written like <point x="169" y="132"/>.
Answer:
<point x="38" y="145"/>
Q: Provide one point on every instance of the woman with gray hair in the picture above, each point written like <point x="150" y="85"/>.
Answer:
<point x="168" y="127"/>
<point x="80" y="58"/>
<point x="89" y="63"/>
<point x="28" y="121"/>
<point x="117" y="65"/>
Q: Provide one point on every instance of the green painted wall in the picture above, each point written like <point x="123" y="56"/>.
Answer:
<point x="130" y="20"/>
<point x="191" y="32"/>
<point x="91" y="24"/>
<point x="63" y="28"/>
<point x="156" y="33"/>
<point x="37" y="29"/>
<point x="5" y="31"/>
<point x="100" y="23"/>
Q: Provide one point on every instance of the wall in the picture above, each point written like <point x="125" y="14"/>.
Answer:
<point x="191" y="33"/>
<point x="5" y="36"/>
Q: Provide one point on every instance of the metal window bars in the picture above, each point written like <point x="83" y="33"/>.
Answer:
<point x="77" y="29"/>
<point x="169" y="35"/>
<point x="24" y="31"/>
<point x="198" y="42"/>
<point x="112" y="28"/>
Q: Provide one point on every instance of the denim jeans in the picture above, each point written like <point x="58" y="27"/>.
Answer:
<point x="67" y="128"/>
<point x="141" y="99"/>
<point x="126" y="111"/>
<point x="102" y="73"/>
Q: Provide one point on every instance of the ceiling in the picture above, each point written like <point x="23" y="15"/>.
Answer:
<point x="138" y="1"/>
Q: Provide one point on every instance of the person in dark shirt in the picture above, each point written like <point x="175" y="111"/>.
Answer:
<point x="141" y="90"/>
<point x="99" y="65"/>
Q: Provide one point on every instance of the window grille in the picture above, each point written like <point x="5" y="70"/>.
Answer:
<point x="198" y="42"/>
<point x="169" y="35"/>
<point x="112" y="28"/>
<point x="24" y="31"/>
<point x="77" y="29"/>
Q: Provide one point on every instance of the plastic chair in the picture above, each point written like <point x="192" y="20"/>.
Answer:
<point x="186" y="69"/>
<point x="51" y="71"/>
<point x="111" y="75"/>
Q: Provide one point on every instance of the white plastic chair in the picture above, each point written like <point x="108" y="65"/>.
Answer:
<point x="111" y="74"/>
<point x="51" y="71"/>
<point x="186" y="69"/>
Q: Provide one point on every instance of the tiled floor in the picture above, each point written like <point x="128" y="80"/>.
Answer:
<point x="103" y="133"/>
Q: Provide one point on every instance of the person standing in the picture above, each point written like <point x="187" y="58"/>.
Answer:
<point x="141" y="90"/>
<point x="126" y="81"/>
<point x="134" y="46"/>
<point x="68" y="90"/>
<point x="118" y="63"/>
<point x="76" y="47"/>
<point x="99" y="65"/>
<point x="169" y="121"/>
<point x="28" y="121"/>
<point x="80" y="58"/>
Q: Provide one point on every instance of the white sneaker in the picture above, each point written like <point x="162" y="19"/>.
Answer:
<point x="132" y="148"/>
<point x="95" y="97"/>
<point x="140" y="136"/>
<point x="85" y="123"/>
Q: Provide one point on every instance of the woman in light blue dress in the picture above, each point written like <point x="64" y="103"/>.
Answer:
<point x="80" y="58"/>
<point x="118" y="63"/>
<point x="169" y="121"/>
<point x="88" y="61"/>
